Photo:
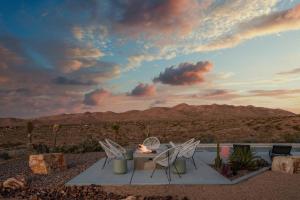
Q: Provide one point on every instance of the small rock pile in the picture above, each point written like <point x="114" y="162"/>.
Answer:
<point x="74" y="192"/>
<point x="71" y="192"/>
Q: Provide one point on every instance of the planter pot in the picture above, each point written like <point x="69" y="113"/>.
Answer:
<point x="120" y="166"/>
<point x="129" y="154"/>
<point x="180" y="165"/>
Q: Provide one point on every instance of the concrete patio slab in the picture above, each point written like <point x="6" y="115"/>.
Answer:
<point x="203" y="175"/>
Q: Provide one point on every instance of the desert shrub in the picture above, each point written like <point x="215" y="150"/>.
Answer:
<point x="291" y="138"/>
<point x="207" y="138"/>
<point x="241" y="159"/>
<point x="88" y="145"/>
<point x="10" y="144"/>
<point x="40" y="148"/>
<point x="5" y="156"/>
<point x="261" y="163"/>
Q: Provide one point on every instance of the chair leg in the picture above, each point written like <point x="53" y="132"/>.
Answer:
<point x="104" y="163"/>
<point x="167" y="174"/>
<point x="194" y="162"/>
<point x="153" y="172"/>
<point x="177" y="171"/>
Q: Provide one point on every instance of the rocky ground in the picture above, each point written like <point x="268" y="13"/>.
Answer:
<point x="52" y="186"/>
<point x="267" y="186"/>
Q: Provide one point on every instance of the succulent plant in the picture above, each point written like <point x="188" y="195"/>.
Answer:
<point x="218" y="159"/>
<point x="242" y="158"/>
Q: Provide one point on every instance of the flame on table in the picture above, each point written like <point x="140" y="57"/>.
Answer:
<point x="144" y="149"/>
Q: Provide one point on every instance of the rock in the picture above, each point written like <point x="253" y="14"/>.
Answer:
<point x="130" y="198"/>
<point x="14" y="183"/>
<point x="47" y="163"/>
<point x="283" y="164"/>
<point x="296" y="164"/>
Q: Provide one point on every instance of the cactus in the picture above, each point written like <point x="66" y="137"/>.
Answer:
<point x="55" y="129"/>
<point x="30" y="128"/>
<point x="218" y="159"/>
<point x="116" y="128"/>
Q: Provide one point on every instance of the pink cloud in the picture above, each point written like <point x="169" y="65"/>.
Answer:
<point x="168" y="16"/>
<point x="143" y="90"/>
<point x="8" y="58"/>
<point x="96" y="97"/>
<point x="185" y="73"/>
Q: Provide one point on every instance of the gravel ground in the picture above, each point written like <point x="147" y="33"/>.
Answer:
<point x="267" y="186"/>
<point x="76" y="164"/>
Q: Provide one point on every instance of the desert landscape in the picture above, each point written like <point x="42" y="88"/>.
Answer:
<point x="209" y="123"/>
<point x="150" y="99"/>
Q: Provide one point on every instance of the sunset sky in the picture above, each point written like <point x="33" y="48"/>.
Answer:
<point x="117" y="55"/>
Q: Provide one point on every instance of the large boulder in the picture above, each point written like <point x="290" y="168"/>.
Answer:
<point x="296" y="164"/>
<point x="17" y="182"/>
<point x="47" y="163"/>
<point x="286" y="164"/>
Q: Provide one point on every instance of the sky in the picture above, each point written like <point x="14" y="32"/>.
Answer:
<point x="66" y="56"/>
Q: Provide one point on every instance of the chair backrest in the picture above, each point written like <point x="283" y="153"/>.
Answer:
<point x="188" y="150"/>
<point x="183" y="144"/>
<point x="167" y="157"/>
<point x="241" y="146"/>
<point x="281" y="149"/>
<point x="110" y="153"/>
<point x="152" y="143"/>
<point x="115" y="146"/>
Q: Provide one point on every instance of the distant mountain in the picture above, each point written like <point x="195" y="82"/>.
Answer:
<point x="178" y="112"/>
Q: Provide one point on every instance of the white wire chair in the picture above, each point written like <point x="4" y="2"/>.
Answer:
<point x="183" y="144"/>
<point x="152" y="143"/>
<point x="166" y="159"/>
<point x="110" y="153"/>
<point x="188" y="152"/>
<point x="115" y="146"/>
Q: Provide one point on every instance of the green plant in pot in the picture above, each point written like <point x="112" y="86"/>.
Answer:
<point x="218" y="159"/>
<point x="242" y="159"/>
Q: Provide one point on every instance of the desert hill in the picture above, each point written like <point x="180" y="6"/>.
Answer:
<point x="178" y="112"/>
<point x="209" y="123"/>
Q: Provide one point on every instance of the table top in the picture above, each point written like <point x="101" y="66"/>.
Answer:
<point x="139" y="154"/>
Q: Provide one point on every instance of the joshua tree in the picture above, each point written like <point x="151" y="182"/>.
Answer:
<point x="147" y="131"/>
<point x="30" y="128"/>
<point x="218" y="160"/>
<point x="116" y="128"/>
<point x="55" y="129"/>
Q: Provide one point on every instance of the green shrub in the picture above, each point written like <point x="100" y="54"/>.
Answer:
<point x="291" y="138"/>
<point x="40" y="148"/>
<point x="207" y="138"/>
<point x="88" y="145"/>
<point x="5" y="156"/>
<point x="241" y="159"/>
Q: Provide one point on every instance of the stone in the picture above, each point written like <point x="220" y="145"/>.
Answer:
<point x="130" y="198"/>
<point x="296" y="164"/>
<point x="47" y="163"/>
<point x="14" y="183"/>
<point x="283" y="164"/>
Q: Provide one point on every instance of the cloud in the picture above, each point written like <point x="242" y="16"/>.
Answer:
<point x="274" y="93"/>
<point x="7" y="58"/>
<point x="143" y="90"/>
<point x="61" y="80"/>
<point x="159" y="17"/>
<point x="276" y="22"/>
<point x="219" y="94"/>
<point x="184" y="74"/>
<point x="95" y="97"/>
<point x="290" y="72"/>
